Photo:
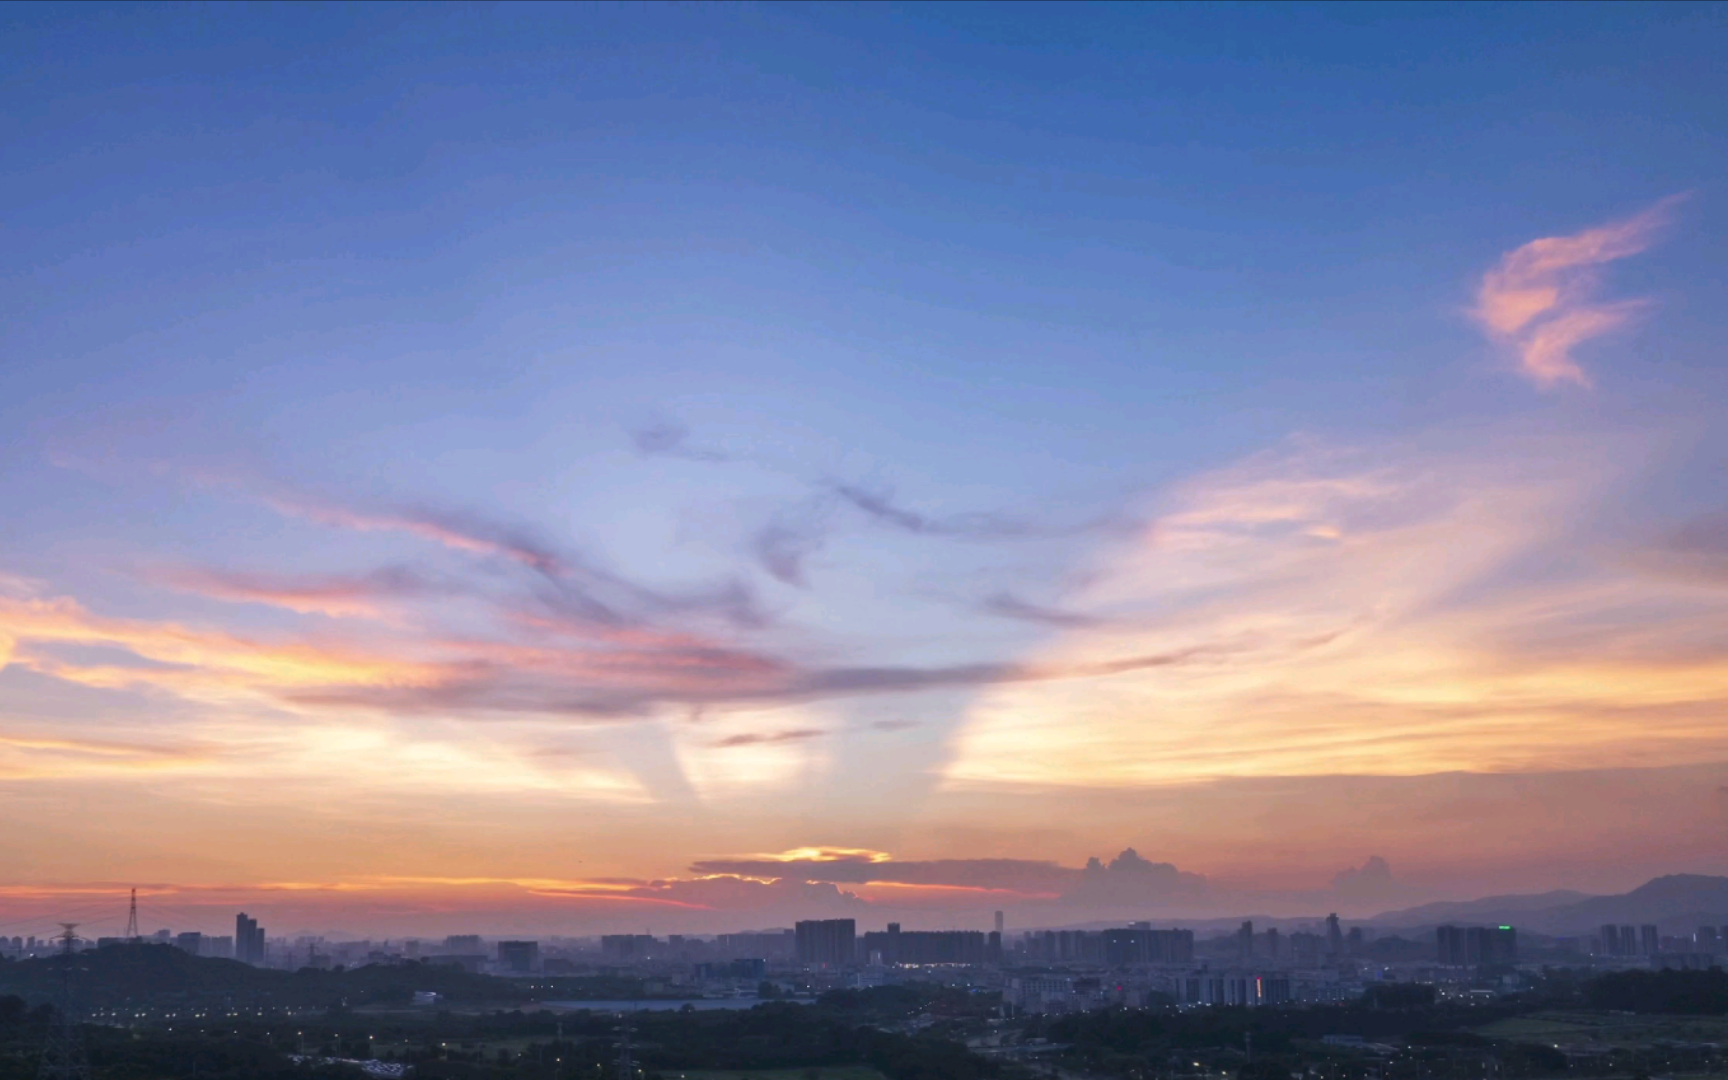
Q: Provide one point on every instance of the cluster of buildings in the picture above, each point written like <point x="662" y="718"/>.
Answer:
<point x="1134" y="944"/>
<point x="835" y="943"/>
<point x="19" y="947"/>
<point x="1037" y="971"/>
<point x="1647" y="940"/>
<point x="247" y="945"/>
<point x="1648" y="945"/>
<point x="197" y="944"/>
<point x="1075" y="970"/>
<point x="1472" y="946"/>
<point x="1050" y="992"/>
<point x="1139" y="965"/>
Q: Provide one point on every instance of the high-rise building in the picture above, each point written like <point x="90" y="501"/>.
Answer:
<point x="1704" y="940"/>
<point x="827" y="942"/>
<point x="1628" y="941"/>
<point x="1506" y="944"/>
<point x="1649" y="940"/>
<point x="895" y="946"/>
<point x="1245" y="942"/>
<point x="248" y="940"/>
<point x="767" y="944"/>
<point x="1307" y="948"/>
<point x="998" y="924"/>
<point x="519" y="956"/>
<point x="190" y="942"/>
<point x="1334" y="936"/>
<point x="1126" y="946"/>
<point x="1449" y="942"/>
<point x="1469" y="946"/>
<point x="1491" y="945"/>
<point x="1272" y="943"/>
<point x="1251" y="990"/>
<point x="1137" y="944"/>
<point x="1608" y="940"/>
<point x="628" y="946"/>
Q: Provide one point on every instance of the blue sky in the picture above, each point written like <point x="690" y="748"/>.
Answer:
<point x="976" y="314"/>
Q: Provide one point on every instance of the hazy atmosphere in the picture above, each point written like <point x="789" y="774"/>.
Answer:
<point x="600" y="469"/>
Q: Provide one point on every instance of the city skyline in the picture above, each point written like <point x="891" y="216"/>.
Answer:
<point x="711" y="467"/>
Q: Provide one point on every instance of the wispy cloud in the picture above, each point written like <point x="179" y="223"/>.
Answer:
<point x="452" y="529"/>
<point x="614" y="684"/>
<point x="541" y="666"/>
<point x="577" y="585"/>
<point x="1386" y="620"/>
<point x="194" y="662"/>
<point x="1032" y="874"/>
<point x="895" y="725"/>
<point x="1127" y="878"/>
<point x="360" y="595"/>
<point x="19" y="586"/>
<point x="823" y="853"/>
<point x="1009" y="606"/>
<point x="881" y="507"/>
<point x="1696" y="551"/>
<point x="769" y="738"/>
<point x="25" y="756"/>
<point x="1309" y="612"/>
<point x="1540" y="298"/>
<point x="834" y="682"/>
<point x="785" y="545"/>
<point x="668" y="438"/>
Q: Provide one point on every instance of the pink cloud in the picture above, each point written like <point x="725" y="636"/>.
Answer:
<point x="1539" y="299"/>
<point x="451" y="531"/>
<point x="336" y="596"/>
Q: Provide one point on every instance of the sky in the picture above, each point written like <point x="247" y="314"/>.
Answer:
<point x="605" y="468"/>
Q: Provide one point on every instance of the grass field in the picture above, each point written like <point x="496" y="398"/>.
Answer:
<point x="831" y="1072"/>
<point x="1580" y="1029"/>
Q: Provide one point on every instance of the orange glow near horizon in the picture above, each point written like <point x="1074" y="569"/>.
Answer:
<point x="1288" y="672"/>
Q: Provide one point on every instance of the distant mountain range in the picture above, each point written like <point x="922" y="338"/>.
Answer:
<point x="1677" y="903"/>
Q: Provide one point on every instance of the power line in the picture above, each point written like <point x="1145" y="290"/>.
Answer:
<point x="84" y="910"/>
<point x="174" y="914"/>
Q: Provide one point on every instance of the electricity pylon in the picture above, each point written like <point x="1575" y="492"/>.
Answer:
<point x="63" y="1056"/>
<point x="626" y="1065"/>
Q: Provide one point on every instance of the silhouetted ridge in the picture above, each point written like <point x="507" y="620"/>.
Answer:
<point x="1678" y="903"/>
